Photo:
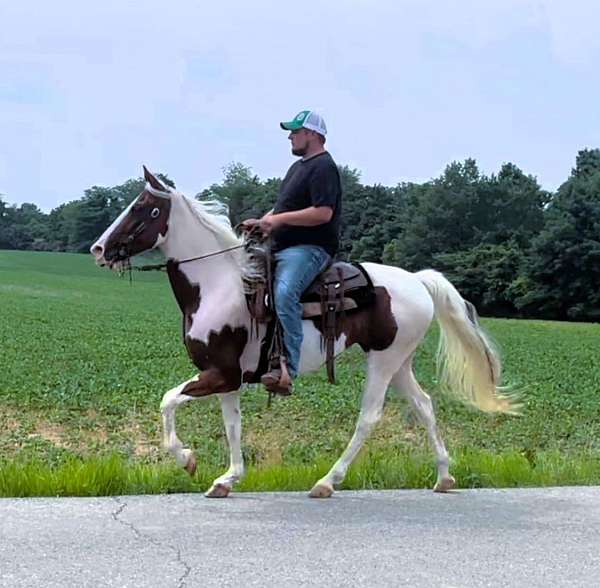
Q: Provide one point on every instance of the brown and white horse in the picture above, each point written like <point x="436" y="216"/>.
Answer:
<point x="217" y="330"/>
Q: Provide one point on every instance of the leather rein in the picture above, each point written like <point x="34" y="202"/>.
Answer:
<point x="163" y="266"/>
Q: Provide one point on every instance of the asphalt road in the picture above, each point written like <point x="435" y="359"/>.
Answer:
<point x="528" y="537"/>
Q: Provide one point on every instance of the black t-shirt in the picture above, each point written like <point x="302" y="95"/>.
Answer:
<point x="311" y="182"/>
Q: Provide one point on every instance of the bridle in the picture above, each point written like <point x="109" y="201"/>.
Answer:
<point x="124" y="248"/>
<point x="125" y="252"/>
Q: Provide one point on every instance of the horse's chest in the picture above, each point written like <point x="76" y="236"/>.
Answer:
<point x="219" y="349"/>
<point x="218" y="339"/>
<point x="218" y="357"/>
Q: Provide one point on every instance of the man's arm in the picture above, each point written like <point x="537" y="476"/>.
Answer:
<point x="307" y="217"/>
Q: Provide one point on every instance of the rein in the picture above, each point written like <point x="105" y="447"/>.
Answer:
<point x="163" y="266"/>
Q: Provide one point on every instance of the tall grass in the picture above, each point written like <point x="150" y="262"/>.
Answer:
<point x="115" y="475"/>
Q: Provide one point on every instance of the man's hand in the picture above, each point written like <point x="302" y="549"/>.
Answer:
<point x="249" y="223"/>
<point x="270" y="222"/>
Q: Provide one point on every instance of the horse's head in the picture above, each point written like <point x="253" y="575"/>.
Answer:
<point x="142" y="226"/>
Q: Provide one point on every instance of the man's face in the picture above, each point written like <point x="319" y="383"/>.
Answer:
<point x="300" y="140"/>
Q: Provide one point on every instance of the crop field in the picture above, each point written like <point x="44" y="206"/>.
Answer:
<point x="85" y="357"/>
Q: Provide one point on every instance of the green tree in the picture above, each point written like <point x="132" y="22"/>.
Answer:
<point x="376" y="225"/>
<point x="89" y="217"/>
<point x="242" y="191"/>
<point x="486" y="274"/>
<point x="4" y="224"/>
<point x="22" y="227"/>
<point x="562" y="277"/>
<point x="509" y="206"/>
<point x="59" y="225"/>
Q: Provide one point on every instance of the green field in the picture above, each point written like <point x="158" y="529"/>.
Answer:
<point x="85" y="358"/>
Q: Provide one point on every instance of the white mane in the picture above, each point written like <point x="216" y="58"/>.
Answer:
<point x="214" y="215"/>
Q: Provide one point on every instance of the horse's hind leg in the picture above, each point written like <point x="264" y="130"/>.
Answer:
<point x="379" y="374"/>
<point x="405" y="382"/>
<point x="232" y="419"/>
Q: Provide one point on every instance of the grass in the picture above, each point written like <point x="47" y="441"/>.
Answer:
<point x="113" y="475"/>
<point x="85" y="358"/>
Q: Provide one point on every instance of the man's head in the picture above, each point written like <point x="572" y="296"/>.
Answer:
<point x="307" y="132"/>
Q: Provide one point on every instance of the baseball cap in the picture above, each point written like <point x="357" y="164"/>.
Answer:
<point x="306" y="119"/>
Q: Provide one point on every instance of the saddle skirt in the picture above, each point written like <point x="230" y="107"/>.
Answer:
<point x="346" y="286"/>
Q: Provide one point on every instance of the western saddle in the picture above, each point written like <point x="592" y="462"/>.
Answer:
<point x="341" y="288"/>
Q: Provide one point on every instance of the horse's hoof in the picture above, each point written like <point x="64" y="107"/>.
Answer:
<point x="218" y="491"/>
<point x="191" y="465"/>
<point x="444" y="484"/>
<point x="321" y="490"/>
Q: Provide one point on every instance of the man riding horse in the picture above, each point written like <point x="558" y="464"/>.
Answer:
<point x="206" y="265"/>
<point x="304" y="225"/>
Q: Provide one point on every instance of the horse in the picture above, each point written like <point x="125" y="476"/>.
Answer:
<point x="205" y="266"/>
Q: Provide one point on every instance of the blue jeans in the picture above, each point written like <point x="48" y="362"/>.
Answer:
<point x="296" y="267"/>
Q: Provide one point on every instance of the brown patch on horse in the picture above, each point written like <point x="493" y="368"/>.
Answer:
<point x="219" y="357"/>
<point x="139" y="230"/>
<point x="186" y="294"/>
<point x="219" y="361"/>
<point x="373" y="328"/>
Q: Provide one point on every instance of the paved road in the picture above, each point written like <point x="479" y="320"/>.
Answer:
<point x="471" y="538"/>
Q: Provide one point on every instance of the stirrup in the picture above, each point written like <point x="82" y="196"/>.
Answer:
<point x="278" y="380"/>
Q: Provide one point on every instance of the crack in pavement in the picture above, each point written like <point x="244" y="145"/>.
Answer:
<point x="179" y="558"/>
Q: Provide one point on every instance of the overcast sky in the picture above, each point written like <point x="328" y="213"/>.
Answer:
<point x="91" y="90"/>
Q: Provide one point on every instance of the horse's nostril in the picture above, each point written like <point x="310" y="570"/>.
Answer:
<point x="97" y="250"/>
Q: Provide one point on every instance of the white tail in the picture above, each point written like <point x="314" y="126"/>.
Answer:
<point x="468" y="365"/>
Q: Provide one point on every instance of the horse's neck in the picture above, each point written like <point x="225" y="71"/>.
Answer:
<point x="186" y="236"/>
<point x="217" y="277"/>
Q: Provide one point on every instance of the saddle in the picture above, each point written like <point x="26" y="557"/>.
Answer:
<point x="339" y="289"/>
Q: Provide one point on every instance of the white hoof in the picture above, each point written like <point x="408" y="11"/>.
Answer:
<point x="218" y="491"/>
<point x="444" y="484"/>
<point x="321" y="490"/>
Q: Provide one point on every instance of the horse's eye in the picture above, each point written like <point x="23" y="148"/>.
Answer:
<point x="155" y="212"/>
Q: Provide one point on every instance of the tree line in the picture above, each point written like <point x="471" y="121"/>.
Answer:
<point x="509" y="246"/>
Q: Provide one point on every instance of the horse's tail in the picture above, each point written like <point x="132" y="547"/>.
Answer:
<point x="468" y="364"/>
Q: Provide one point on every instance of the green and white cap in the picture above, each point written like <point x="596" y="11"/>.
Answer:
<point x="306" y="119"/>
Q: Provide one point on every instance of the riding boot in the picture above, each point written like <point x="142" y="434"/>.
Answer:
<point x="278" y="380"/>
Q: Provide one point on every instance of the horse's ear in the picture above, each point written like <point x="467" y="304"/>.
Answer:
<point x="154" y="181"/>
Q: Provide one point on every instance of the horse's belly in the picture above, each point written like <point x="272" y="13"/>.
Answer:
<point x="250" y="357"/>
<point x="312" y="355"/>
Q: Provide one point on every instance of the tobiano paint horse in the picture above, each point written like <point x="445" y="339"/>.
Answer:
<point x="218" y="336"/>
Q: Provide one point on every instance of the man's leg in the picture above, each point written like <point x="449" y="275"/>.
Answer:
<point x="296" y="267"/>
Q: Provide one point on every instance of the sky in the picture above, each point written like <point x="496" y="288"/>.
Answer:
<point x="90" y="91"/>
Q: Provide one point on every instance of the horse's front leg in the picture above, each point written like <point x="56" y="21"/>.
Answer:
<point x="232" y="419"/>
<point x="207" y="383"/>
<point x="170" y="402"/>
